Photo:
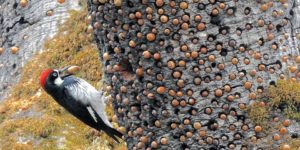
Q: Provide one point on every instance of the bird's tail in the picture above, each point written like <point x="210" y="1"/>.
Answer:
<point x="113" y="133"/>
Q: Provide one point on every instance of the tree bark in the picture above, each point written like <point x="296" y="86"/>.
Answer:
<point x="180" y="72"/>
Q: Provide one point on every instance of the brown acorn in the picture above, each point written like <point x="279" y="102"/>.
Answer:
<point x="161" y="89"/>
<point x="150" y="37"/>
<point x="171" y="64"/>
<point x="286" y="147"/>
<point x="164" y="141"/>
<point x="201" y="26"/>
<point x="247" y="85"/>
<point x="23" y="3"/>
<point x="264" y="7"/>
<point x="73" y="69"/>
<point x="154" y="144"/>
<point x="218" y="92"/>
<point x="258" y="129"/>
<point x="49" y="13"/>
<point x="1" y="50"/>
<point x="139" y="72"/>
<point x="164" y="19"/>
<point x="61" y="1"/>
<point x="14" y="50"/>
<point x="147" y="54"/>
<point x="183" y="5"/>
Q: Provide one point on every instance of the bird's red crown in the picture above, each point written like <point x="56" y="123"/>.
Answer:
<point x="44" y="76"/>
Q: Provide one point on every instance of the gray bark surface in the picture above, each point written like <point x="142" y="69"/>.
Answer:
<point x="147" y="113"/>
<point x="27" y="28"/>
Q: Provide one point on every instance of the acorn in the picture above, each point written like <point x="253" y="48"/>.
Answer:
<point x="245" y="127"/>
<point x="260" y="22"/>
<point x="164" y="19"/>
<point x="177" y="74"/>
<point x="184" y="26"/>
<point x="247" y="85"/>
<point x="183" y="5"/>
<point x="173" y="125"/>
<point x="252" y="95"/>
<point x="118" y="3"/>
<point x="211" y="58"/>
<point x="175" y="102"/>
<point x="159" y="3"/>
<point x="286" y="147"/>
<point x="186" y="121"/>
<point x="215" y="12"/>
<point x="197" y="125"/>
<point x="276" y="137"/>
<point x="61" y="1"/>
<point x="201" y="26"/>
<point x="1" y="50"/>
<point x="293" y="69"/>
<point x="261" y="67"/>
<point x="232" y="76"/>
<point x="73" y="69"/>
<point x="106" y="56"/>
<point x="242" y="106"/>
<point x="150" y="37"/>
<point x="297" y="59"/>
<point x="202" y="133"/>
<point x="14" y="50"/>
<point x="157" y="123"/>
<point x="139" y="72"/>
<point x="147" y="54"/>
<point x="49" y="13"/>
<point x="234" y="61"/>
<point x="286" y="122"/>
<point x="123" y="89"/>
<point x="184" y="48"/>
<point x="222" y="5"/>
<point x="23" y="3"/>
<point x="164" y="141"/>
<point x="185" y="18"/>
<point x="270" y="36"/>
<point x="181" y="63"/>
<point x="171" y="64"/>
<point x="161" y="90"/>
<point x="194" y="54"/>
<point x="283" y="130"/>
<point x="132" y="43"/>
<point x="218" y="92"/>
<point x="264" y="7"/>
<point x="258" y="129"/>
<point x="154" y="144"/>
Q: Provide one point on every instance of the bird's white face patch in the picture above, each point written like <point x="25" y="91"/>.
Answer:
<point x="58" y="81"/>
<point x="92" y="113"/>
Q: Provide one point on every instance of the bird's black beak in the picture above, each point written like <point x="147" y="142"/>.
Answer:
<point x="61" y="72"/>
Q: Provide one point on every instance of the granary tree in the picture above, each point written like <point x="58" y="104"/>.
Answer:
<point x="183" y="74"/>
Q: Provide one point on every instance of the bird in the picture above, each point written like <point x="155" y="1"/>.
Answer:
<point x="79" y="98"/>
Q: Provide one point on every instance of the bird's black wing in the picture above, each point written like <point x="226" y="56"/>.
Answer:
<point x="78" y="102"/>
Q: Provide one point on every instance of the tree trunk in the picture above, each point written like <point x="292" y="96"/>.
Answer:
<point x="181" y="73"/>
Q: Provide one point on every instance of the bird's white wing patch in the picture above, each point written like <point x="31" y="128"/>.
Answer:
<point x="85" y="93"/>
<point x="92" y="113"/>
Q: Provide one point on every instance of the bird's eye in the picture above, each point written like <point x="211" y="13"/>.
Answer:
<point x="54" y="74"/>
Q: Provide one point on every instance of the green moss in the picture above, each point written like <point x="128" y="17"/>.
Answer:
<point x="259" y="115"/>
<point x="287" y="93"/>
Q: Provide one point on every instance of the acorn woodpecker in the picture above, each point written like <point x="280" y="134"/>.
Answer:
<point x="79" y="98"/>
